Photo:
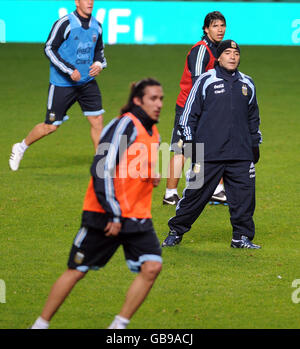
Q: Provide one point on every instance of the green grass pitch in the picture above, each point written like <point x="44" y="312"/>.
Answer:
<point x="204" y="283"/>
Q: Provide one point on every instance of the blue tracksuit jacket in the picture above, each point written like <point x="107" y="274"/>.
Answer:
<point x="222" y="112"/>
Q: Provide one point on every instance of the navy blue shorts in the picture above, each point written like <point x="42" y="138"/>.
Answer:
<point x="92" y="249"/>
<point x="61" y="98"/>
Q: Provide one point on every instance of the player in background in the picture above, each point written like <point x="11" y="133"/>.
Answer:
<point x="117" y="205"/>
<point x="200" y="59"/>
<point x="75" y="50"/>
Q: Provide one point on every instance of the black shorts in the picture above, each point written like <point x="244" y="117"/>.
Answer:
<point x="176" y="135"/>
<point x="60" y="100"/>
<point x="92" y="249"/>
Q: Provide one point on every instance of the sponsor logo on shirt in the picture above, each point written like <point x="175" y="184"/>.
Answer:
<point x="219" y="86"/>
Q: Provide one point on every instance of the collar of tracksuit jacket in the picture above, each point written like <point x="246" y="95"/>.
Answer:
<point x="209" y="42"/>
<point x="144" y="118"/>
<point x="85" y="21"/>
<point x="227" y="75"/>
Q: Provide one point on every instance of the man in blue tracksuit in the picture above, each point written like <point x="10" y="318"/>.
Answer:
<point x="221" y="113"/>
<point x="75" y="51"/>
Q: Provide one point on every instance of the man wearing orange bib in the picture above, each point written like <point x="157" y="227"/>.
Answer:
<point x="117" y="205"/>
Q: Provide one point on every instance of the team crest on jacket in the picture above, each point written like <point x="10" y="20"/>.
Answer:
<point x="245" y="90"/>
<point x="94" y="37"/>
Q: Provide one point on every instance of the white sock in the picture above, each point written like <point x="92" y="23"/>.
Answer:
<point x="219" y="188"/>
<point x="40" y="324"/>
<point x="119" y="323"/>
<point x="23" y="146"/>
<point x="170" y="192"/>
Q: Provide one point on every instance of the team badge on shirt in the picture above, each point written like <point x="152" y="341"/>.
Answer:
<point x="94" y="38"/>
<point x="245" y="90"/>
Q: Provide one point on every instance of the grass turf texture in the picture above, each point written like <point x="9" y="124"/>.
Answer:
<point x="204" y="283"/>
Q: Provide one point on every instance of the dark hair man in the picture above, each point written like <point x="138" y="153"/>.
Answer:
<point x="117" y="205"/>
<point x="75" y="50"/>
<point x="221" y="112"/>
<point x="200" y="59"/>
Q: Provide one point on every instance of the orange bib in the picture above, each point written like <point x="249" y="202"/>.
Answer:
<point x="133" y="176"/>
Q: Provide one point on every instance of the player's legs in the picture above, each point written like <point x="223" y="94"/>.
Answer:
<point x="59" y="292"/>
<point x="140" y="288"/>
<point x="176" y="164"/>
<point x="143" y="255"/>
<point x="59" y="101"/>
<point x="175" y="169"/>
<point x="91" y="249"/>
<point x="193" y="202"/>
<point x="39" y="131"/>
<point x="90" y="100"/>
<point x="96" y="123"/>
<point x="239" y="180"/>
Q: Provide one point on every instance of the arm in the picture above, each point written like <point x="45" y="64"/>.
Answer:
<point x="189" y="120"/>
<point x="58" y="34"/>
<point x="99" y="59"/>
<point x="197" y="61"/>
<point x="191" y="113"/>
<point x="116" y="138"/>
<point x="254" y="122"/>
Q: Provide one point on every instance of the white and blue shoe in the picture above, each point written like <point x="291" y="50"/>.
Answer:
<point x="15" y="157"/>
<point x="218" y="199"/>
<point x="172" y="239"/>
<point x="244" y="242"/>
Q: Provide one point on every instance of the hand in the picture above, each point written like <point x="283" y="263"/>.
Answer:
<point x="156" y="180"/>
<point x="112" y="228"/>
<point x="75" y="75"/>
<point x="95" y="69"/>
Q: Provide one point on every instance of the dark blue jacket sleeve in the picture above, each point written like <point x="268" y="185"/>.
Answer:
<point x="58" y="34"/>
<point x="99" y="49"/>
<point x="115" y="139"/>
<point x="197" y="61"/>
<point x="254" y="120"/>
<point x="191" y="113"/>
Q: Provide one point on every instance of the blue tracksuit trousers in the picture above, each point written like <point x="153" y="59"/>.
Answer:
<point x="239" y="182"/>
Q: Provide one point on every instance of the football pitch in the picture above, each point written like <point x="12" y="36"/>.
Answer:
<point x="204" y="283"/>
